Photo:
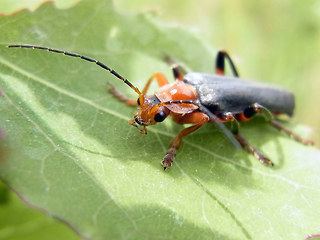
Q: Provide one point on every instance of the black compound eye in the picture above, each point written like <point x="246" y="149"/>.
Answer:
<point x="159" y="117"/>
<point x="137" y="120"/>
<point x="138" y="101"/>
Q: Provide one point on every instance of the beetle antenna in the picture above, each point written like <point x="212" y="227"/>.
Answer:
<point x="100" y="64"/>
<point x="205" y="110"/>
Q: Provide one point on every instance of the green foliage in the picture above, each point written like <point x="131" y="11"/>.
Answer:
<point x="71" y="152"/>
<point x="19" y="222"/>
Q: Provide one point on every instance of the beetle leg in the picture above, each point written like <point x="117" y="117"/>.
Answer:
<point x="228" y="117"/>
<point x="257" y="108"/>
<point x="247" y="114"/>
<point x="121" y="97"/>
<point x="177" y="70"/>
<point x="296" y="137"/>
<point x="243" y="142"/>
<point x="258" y="155"/>
<point x="198" y="118"/>
<point x="221" y="56"/>
<point x="252" y="110"/>
<point x="161" y="79"/>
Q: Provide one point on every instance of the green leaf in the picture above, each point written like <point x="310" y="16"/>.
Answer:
<point x="18" y="221"/>
<point x="71" y="152"/>
<point x="10" y="7"/>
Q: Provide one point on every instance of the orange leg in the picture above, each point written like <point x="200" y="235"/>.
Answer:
<point x="198" y="118"/>
<point x="121" y="97"/>
<point x="161" y="79"/>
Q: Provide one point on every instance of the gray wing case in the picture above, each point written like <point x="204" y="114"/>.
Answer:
<point x="230" y="94"/>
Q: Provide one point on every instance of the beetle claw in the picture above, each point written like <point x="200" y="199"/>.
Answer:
<point x="307" y="142"/>
<point x="264" y="160"/>
<point x="267" y="161"/>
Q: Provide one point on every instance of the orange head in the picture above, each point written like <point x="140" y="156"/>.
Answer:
<point x="149" y="112"/>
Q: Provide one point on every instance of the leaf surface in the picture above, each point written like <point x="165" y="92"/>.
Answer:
<point x="20" y="222"/>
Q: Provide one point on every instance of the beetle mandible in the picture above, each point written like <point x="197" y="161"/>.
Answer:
<point x="198" y="98"/>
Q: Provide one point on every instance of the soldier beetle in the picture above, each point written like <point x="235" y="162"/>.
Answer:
<point x="198" y="98"/>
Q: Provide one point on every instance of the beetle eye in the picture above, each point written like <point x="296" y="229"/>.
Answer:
<point x="159" y="117"/>
<point x="138" y="101"/>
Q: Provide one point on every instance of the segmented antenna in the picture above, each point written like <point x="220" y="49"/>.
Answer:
<point x="100" y="64"/>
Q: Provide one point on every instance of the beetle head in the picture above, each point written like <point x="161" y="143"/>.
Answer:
<point x="149" y="112"/>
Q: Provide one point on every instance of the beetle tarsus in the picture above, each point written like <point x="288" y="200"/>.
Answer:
<point x="169" y="158"/>
<point x="269" y="162"/>
<point x="261" y="157"/>
<point x="307" y="142"/>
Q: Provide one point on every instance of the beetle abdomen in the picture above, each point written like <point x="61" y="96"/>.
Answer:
<point x="230" y="94"/>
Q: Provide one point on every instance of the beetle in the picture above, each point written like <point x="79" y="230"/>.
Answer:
<point x="198" y="98"/>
